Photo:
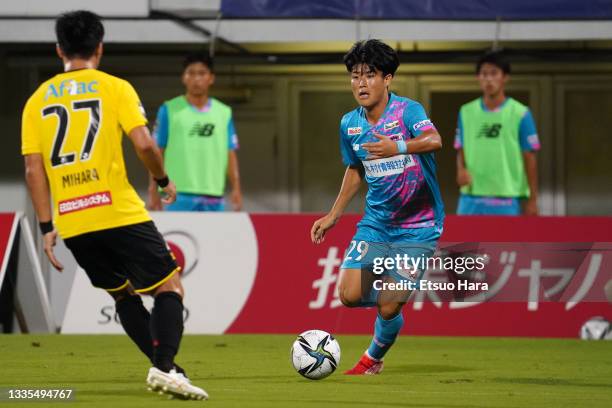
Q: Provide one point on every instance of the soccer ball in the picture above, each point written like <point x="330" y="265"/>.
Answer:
<point x="596" y="328"/>
<point x="315" y="354"/>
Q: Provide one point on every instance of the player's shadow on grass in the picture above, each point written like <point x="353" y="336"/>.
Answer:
<point x="425" y="368"/>
<point x="550" y="381"/>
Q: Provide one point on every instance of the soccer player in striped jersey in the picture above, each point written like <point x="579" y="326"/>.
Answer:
<point x="388" y="142"/>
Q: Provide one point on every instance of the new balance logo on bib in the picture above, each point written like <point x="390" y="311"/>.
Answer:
<point x="388" y="166"/>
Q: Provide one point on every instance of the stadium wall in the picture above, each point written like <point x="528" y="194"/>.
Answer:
<point x="287" y="118"/>
<point x="239" y="267"/>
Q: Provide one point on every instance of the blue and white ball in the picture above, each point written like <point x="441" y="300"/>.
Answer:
<point x="315" y="354"/>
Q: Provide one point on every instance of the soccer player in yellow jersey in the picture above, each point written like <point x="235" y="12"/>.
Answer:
<point x="71" y="138"/>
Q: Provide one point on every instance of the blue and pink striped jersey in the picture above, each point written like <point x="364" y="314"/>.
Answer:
<point x="403" y="190"/>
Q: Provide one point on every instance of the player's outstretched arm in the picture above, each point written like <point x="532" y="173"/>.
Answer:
<point x="38" y="185"/>
<point x="150" y="155"/>
<point x="350" y="186"/>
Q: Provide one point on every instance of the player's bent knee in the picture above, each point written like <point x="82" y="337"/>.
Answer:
<point x="171" y="285"/>
<point x="350" y="298"/>
<point x="349" y="289"/>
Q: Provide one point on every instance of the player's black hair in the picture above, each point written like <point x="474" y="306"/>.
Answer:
<point x="375" y="54"/>
<point x="201" y="57"/>
<point x="79" y="33"/>
<point x="495" y="58"/>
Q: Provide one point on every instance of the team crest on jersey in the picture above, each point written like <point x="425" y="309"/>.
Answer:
<point x="422" y="124"/>
<point x="391" y="125"/>
<point x="352" y="131"/>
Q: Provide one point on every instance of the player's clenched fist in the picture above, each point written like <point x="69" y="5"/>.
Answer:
<point x="384" y="147"/>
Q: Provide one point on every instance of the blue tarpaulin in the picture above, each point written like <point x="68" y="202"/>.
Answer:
<point x="420" y="9"/>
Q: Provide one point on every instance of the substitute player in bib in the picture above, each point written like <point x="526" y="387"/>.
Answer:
<point x="198" y="140"/>
<point x="496" y="144"/>
<point x="72" y="129"/>
<point x="388" y="142"/>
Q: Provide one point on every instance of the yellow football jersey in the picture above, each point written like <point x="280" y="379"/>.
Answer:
<point x="76" y="122"/>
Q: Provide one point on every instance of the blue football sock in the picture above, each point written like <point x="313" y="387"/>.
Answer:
<point x="385" y="333"/>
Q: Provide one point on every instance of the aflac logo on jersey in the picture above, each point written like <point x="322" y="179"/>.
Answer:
<point x="71" y="87"/>
<point x="422" y="124"/>
<point x="352" y="131"/>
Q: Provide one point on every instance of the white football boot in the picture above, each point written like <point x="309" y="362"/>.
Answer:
<point x="174" y="384"/>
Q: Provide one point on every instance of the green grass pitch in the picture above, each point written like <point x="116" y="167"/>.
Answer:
<point x="254" y="371"/>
